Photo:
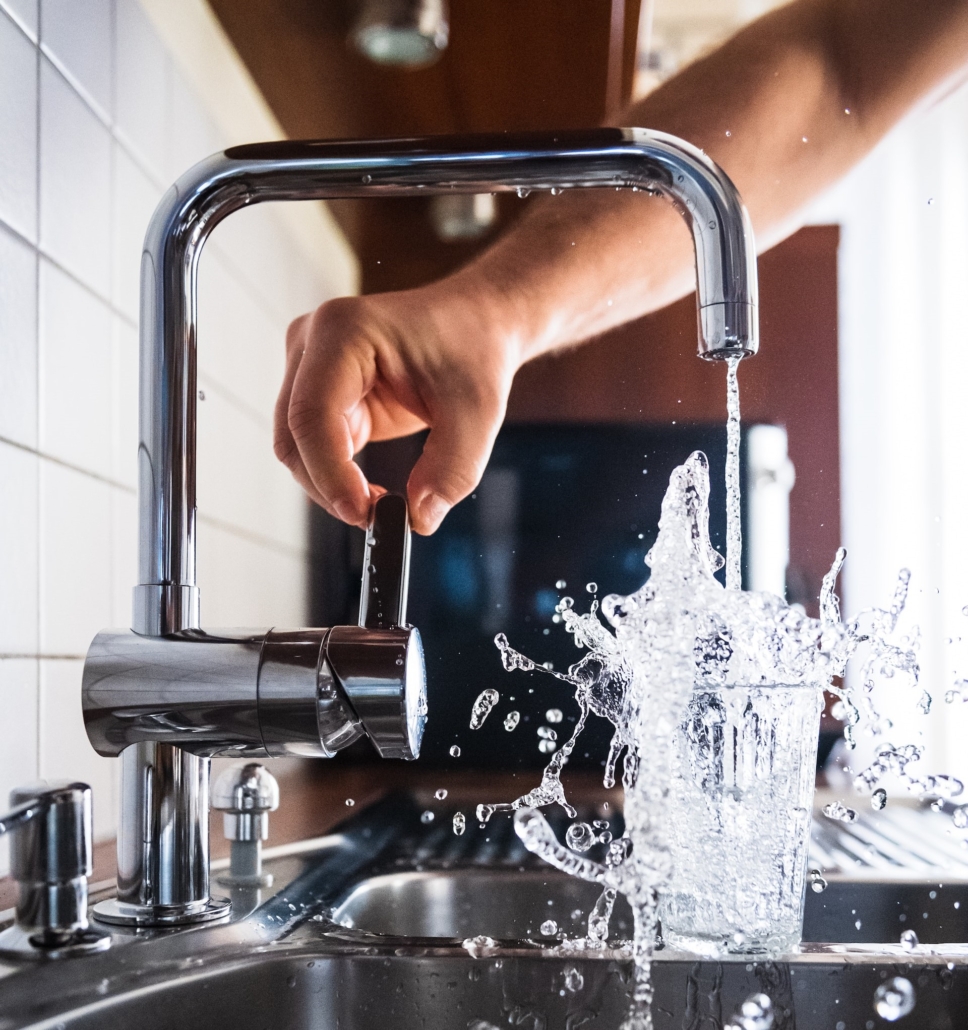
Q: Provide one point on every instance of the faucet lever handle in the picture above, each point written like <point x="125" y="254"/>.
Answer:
<point x="386" y="564"/>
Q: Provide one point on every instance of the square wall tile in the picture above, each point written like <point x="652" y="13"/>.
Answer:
<point x="18" y="739"/>
<point x="19" y="568"/>
<point x="18" y="339"/>
<point x="75" y="373"/>
<point x="125" y="404"/>
<point x="78" y="35"/>
<point x="240" y="346"/>
<point x="135" y="200"/>
<point x="142" y="87"/>
<point x="25" y="13"/>
<point x="193" y="134"/>
<point x="124" y="555"/>
<point x="75" y="559"/>
<point x="18" y="129"/>
<point x="243" y="583"/>
<point x="65" y="751"/>
<point x="75" y="182"/>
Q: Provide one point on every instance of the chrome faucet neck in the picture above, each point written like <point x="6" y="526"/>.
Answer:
<point x="166" y="601"/>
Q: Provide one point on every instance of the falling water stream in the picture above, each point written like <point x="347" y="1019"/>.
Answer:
<point x="646" y="652"/>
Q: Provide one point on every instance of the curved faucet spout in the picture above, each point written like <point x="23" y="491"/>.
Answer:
<point x="166" y="601"/>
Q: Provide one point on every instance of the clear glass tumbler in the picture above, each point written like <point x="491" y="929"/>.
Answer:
<point x="743" y="772"/>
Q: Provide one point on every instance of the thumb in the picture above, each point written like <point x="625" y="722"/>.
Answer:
<point x="453" y="459"/>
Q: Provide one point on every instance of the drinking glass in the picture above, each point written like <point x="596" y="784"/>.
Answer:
<point x="743" y="772"/>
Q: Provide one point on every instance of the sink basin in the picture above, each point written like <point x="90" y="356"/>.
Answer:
<point x="363" y="930"/>
<point x="512" y="905"/>
<point x="456" y="904"/>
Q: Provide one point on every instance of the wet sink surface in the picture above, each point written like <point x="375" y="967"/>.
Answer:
<point x="354" y="935"/>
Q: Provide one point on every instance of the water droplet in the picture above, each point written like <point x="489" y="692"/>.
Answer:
<point x="960" y="817"/>
<point x="549" y="928"/>
<point x="817" y="882"/>
<point x="548" y="665"/>
<point x="440" y="794"/>
<point x="894" y="999"/>
<point x="547" y="733"/>
<point x="576" y="914"/>
<point x="367" y="179"/>
<point x="554" y="715"/>
<point x="350" y="802"/>
<point x="454" y="751"/>
<point x="930" y="201"/>
<point x="486" y="700"/>
<point x="803" y="138"/>
<point x="555" y="190"/>
<point x="201" y="395"/>
<point x="592" y="587"/>
<point x="475" y="945"/>
<point x="561" y="584"/>
<point x="522" y="192"/>
<point x="909" y="940"/>
<point x="427" y="817"/>
<point x="839" y="812"/>
<point x="879" y="799"/>
<point x="574" y="981"/>
<point x="756" y="1013"/>
<point x="565" y="603"/>
<point x="460" y="823"/>
<point x="579" y="836"/>
<point x="924" y="702"/>
<point x="511" y="721"/>
<point x="728" y="133"/>
<point x="546" y="746"/>
<point x="839" y="711"/>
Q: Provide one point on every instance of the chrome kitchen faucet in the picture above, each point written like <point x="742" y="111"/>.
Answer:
<point x="166" y="696"/>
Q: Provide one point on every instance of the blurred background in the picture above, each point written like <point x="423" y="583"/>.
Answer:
<point x="103" y="103"/>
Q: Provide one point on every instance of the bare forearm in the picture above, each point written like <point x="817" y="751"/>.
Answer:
<point x="786" y="107"/>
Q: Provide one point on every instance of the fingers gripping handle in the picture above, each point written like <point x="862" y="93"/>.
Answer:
<point x="386" y="565"/>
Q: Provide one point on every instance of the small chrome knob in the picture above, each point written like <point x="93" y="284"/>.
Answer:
<point x="246" y="794"/>
<point x="51" y="860"/>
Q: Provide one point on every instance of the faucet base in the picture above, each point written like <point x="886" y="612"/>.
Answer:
<point x="122" y="913"/>
<point x="18" y="942"/>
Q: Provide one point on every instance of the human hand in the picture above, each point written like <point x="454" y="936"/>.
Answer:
<point x="387" y="365"/>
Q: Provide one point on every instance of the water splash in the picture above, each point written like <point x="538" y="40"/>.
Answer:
<point x="645" y="654"/>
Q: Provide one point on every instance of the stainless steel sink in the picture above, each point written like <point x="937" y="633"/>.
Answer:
<point x="508" y="905"/>
<point x="364" y="930"/>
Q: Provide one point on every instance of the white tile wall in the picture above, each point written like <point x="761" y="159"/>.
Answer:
<point x="18" y="129"/>
<point x="96" y="121"/>
<point x="18" y="339"/>
<point x="79" y="38"/>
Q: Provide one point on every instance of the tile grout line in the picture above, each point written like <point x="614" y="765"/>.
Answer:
<point x="108" y="480"/>
<point x="55" y="263"/>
